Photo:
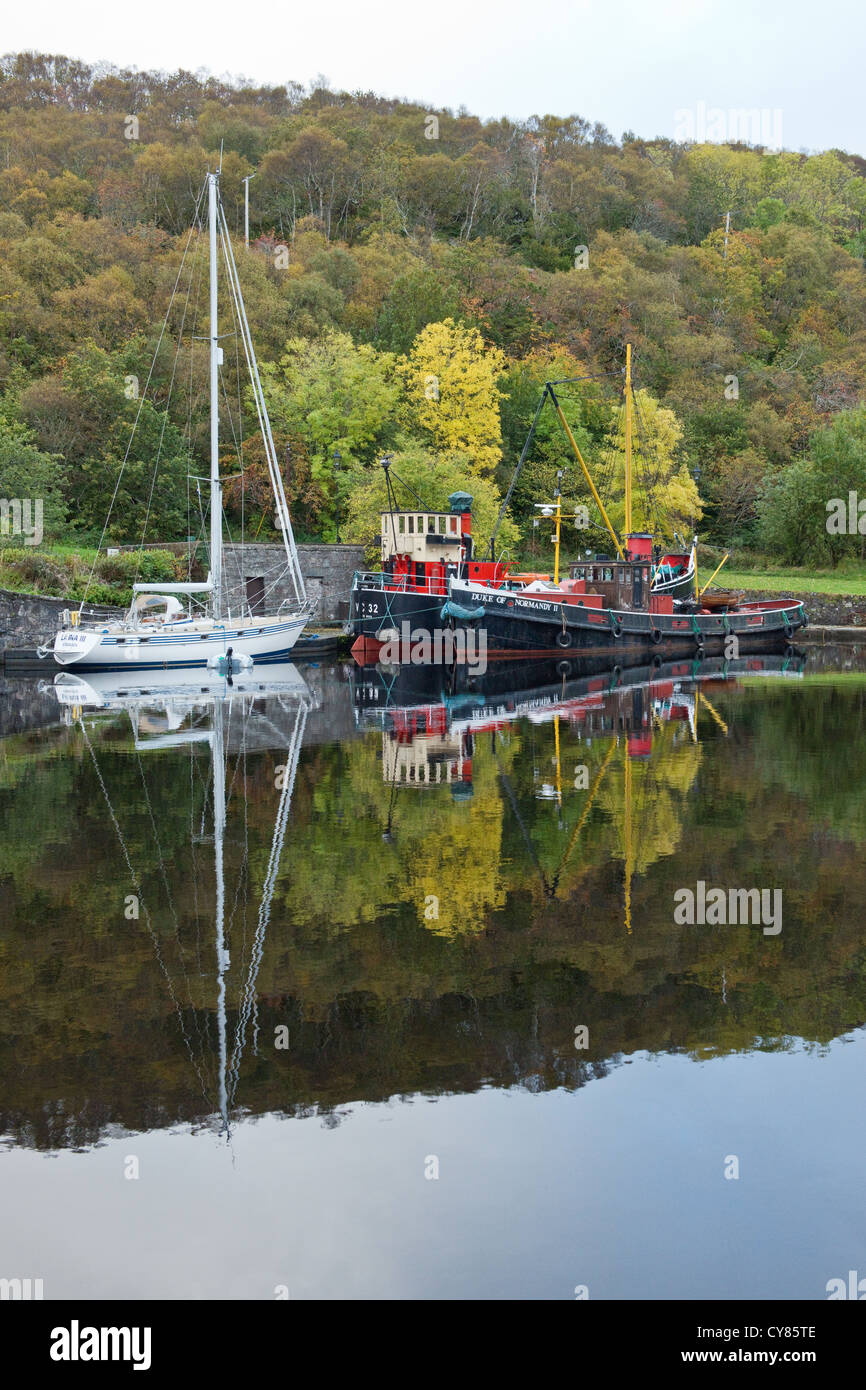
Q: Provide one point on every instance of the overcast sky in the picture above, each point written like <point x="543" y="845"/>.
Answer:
<point x="634" y="65"/>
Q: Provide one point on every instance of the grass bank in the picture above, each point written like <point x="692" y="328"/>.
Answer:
<point x="65" y="572"/>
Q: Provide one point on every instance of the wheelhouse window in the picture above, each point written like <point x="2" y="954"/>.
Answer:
<point x="608" y="574"/>
<point x="626" y="574"/>
<point x="401" y="524"/>
<point x="410" y="525"/>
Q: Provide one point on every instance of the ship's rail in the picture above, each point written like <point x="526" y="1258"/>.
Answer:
<point x="399" y="584"/>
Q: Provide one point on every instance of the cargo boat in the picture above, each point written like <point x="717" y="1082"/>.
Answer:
<point x="610" y="607"/>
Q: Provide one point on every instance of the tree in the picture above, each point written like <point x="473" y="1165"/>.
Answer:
<point x="89" y="414"/>
<point x="326" y="395"/>
<point x="417" y="472"/>
<point x="417" y="298"/>
<point x="28" y="475"/>
<point x="584" y="408"/>
<point x="664" y="496"/>
<point x="331" y="394"/>
<point x="453" y="393"/>
<point x="791" y="515"/>
<point x="804" y="510"/>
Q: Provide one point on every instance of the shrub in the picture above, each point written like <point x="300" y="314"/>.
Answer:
<point x="33" y="569"/>
<point x="145" y="566"/>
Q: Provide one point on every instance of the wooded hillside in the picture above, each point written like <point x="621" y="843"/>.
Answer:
<point x="397" y="244"/>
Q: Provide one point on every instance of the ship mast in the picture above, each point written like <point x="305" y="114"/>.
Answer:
<point x="586" y="473"/>
<point x="629" y="858"/>
<point x="216" y="505"/>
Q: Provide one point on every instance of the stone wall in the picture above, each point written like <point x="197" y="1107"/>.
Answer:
<point x="23" y="706"/>
<point x="26" y="620"/>
<point x="327" y="571"/>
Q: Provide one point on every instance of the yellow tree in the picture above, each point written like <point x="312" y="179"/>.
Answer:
<point x="664" y="495"/>
<point x="453" y="393"/>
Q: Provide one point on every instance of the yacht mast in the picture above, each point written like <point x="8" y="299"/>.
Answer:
<point x="217" y="743"/>
<point x="216" y="505"/>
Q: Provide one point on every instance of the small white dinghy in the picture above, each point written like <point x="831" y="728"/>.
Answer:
<point x="228" y="663"/>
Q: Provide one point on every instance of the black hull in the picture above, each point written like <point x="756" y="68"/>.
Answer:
<point x="529" y="626"/>
<point x="373" y="609"/>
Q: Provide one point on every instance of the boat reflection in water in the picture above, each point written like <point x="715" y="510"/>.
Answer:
<point x="454" y="898"/>
<point x="433" y="717"/>
<point x="464" y="854"/>
<point x="226" y="718"/>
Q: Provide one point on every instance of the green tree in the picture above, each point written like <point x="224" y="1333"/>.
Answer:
<point x="417" y="472"/>
<point x="664" y="496"/>
<point x="417" y="298"/>
<point x="27" y="474"/>
<point x="804" y="510"/>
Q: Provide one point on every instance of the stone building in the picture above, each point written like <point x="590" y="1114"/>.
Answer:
<point x="250" y="571"/>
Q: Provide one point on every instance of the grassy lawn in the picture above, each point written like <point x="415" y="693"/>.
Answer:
<point x="789" y="581"/>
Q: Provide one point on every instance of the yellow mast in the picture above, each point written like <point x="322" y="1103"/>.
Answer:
<point x="714" y="712"/>
<point x="628" y="439"/>
<point x="557" y="537"/>
<point x="586" y="810"/>
<point x="586" y="473"/>
<point x="628" y="839"/>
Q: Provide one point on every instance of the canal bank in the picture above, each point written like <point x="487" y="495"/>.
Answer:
<point x="27" y="620"/>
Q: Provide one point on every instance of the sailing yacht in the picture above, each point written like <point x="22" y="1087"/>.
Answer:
<point x="159" y="632"/>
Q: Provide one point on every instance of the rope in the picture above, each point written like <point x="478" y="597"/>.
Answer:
<point x="164" y="422"/>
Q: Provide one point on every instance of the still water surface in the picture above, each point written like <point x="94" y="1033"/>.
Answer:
<point x="292" y="980"/>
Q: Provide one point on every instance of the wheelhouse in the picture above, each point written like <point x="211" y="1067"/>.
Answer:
<point x="624" y="585"/>
<point x="422" y="550"/>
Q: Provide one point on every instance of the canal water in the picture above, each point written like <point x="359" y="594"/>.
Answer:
<point x="342" y="983"/>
